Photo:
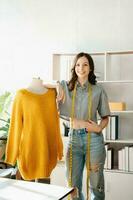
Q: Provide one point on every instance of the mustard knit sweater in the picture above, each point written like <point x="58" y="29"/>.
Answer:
<point x="34" y="139"/>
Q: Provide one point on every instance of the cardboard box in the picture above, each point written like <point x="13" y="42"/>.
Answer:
<point x="117" y="106"/>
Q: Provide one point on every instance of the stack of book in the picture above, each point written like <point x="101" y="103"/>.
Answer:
<point x="112" y="129"/>
<point x="125" y="158"/>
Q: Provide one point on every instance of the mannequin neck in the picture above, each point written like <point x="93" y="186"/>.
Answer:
<point x="36" y="86"/>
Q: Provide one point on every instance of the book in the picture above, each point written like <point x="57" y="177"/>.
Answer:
<point x="114" y="127"/>
<point x="108" y="130"/>
<point x="106" y="159"/>
<point x="123" y="159"/>
<point x="131" y="159"/>
<point x="110" y="158"/>
<point x="126" y="158"/>
<point x="120" y="160"/>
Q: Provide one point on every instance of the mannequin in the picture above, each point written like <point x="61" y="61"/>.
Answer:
<point x="34" y="128"/>
<point x="36" y="86"/>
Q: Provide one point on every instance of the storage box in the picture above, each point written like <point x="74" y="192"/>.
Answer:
<point x="117" y="106"/>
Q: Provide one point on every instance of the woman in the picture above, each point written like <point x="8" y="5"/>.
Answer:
<point x="82" y="99"/>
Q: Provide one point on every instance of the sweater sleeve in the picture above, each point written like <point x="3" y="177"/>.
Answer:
<point x="15" y="129"/>
<point x="58" y="134"/>
<point x="59" y="142"/>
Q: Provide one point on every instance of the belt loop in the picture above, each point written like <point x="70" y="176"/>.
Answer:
<point x="86" y="130"/>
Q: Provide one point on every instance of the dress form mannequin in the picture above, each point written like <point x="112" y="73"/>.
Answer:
<point x="34" y="125"/>
<point x="36" y="86"/>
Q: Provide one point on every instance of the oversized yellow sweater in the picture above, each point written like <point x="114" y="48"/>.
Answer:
<point x="34" y="139"/>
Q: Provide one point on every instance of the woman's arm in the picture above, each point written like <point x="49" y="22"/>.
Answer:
<point x="59" y="90"/>
<point x="60" y="93"/>
<point x="93" y="126"/>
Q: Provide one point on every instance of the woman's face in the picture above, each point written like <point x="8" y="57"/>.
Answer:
<point x="82" y="68"/>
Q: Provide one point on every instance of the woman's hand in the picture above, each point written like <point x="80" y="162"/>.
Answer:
<point x="97" y="128"/>
<point x="60" y="93"/>
<point x="93" y="127"/>
<point x="90" y="125"/>
<point x="59" y="90"/>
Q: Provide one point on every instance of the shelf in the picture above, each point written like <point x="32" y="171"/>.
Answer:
<point x="118" y="81"/>
<point x="119" y="52"/>
<point x="74" y="54"/>
<point x="118" y="171"/>
<point x="119" y="141"/>
<point x="96" y="53"/>
<point x="123" y="112"/>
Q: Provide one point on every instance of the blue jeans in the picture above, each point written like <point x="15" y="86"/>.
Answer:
<point x="78" y="139"/>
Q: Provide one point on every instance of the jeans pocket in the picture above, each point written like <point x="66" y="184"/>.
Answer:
<point x="97" y="150"/>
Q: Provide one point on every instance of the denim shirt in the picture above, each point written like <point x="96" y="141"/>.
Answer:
<point x="99" y="102"/>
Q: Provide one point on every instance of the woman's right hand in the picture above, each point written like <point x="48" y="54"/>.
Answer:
<point x="59" y="90"/>
<point x="60" y="93"/>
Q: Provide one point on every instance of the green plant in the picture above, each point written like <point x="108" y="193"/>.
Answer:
<point x="5" y="100"/>
<point x="4" y="128"/>
<point x="5" y="104"/>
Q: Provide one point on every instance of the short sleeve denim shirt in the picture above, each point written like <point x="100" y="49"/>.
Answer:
<point x="99" y="102"/>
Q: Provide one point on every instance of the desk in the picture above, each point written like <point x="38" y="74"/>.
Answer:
<point x="25" y="190"/>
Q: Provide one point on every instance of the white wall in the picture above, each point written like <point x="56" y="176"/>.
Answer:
<point x="31" y="30"/>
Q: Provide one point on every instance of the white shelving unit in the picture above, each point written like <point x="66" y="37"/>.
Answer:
<point x="114" y="71"/>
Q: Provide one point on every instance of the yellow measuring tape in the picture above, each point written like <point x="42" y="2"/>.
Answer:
<point x="89" y="138"/>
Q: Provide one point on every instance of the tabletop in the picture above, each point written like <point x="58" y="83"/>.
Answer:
<point x="11" y="189"/>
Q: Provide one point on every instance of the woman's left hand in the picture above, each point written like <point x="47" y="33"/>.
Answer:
<point x="93" y="127"/>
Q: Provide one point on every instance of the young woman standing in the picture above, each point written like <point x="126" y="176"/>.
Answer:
<point x="82" y="99"/>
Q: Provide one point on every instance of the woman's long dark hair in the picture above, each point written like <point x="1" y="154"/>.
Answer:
<point x="91" y="76"/>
